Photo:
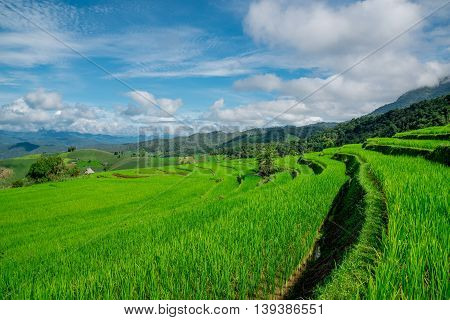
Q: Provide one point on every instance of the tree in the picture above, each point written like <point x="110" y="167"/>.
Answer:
<point x="47" y="168"/>
<point x="18" y="183"/>
<point x="71" y="149"/>
<point x="266" y="161"/>
<point x="73" y="171"/>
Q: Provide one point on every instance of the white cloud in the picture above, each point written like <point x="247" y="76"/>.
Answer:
<point x="356" y="93"/>
<point x="151" y="52"/>
<point x="149" y="105"/>
<point x="316" y="27"/>
<point x="265" y="82"/>
<point x="44" y="109"/>
<point x="333" y="38"/>
<point x="41" y="99"/>
<point x="23" y="44"/>
<point x="261" y="114"/>
<point x="328" y="36"/>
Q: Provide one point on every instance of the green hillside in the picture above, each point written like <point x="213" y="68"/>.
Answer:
<point x="19" y="168"/>
<point x="196" y="209"/>
<point x="419" y="115"/>
<point x="346" y="223"/>
<point x="98" y="160"/>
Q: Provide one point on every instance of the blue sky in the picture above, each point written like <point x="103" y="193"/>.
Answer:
<point x="222" y="63"/>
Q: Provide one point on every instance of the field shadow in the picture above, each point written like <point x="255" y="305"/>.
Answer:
<point x="339" y="232"/>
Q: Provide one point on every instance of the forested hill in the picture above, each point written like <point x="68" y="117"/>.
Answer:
<point x="213" y="142"/>
<point x="426" y="113"/>
<point x="290" y="139"/>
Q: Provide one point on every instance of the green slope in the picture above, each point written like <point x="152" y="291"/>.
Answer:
<point x="161" y="235"/>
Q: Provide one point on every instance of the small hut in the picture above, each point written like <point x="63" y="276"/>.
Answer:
<point x="89" y="171"/>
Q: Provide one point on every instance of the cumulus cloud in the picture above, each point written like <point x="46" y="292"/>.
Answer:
<point x="323" y="36"/>
<point x="356" y="93"/>
<point x="41" y="99"/>
<point x="334" y="37"/>
<point x="261" y="114"/>
<point x="318" y="28"/>
<point x="45" y="109"/>
<point x="149" y="105"/>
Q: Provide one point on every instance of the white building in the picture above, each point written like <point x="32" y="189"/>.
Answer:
<point x="89" y="171"/>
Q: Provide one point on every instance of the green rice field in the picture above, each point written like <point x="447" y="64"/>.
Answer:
<point x="374" y="226"/>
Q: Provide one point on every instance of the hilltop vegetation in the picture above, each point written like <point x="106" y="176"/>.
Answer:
<point x="286" y="140"/>
<point x="218" y="142"/>
<point x="423" y="114"/>
<point x="426" y="113"/>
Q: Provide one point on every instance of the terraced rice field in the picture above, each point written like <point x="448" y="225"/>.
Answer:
<point x="166" y="235"/>
<point x="440" y="132"/>
<point x="345" y="223"/>
<point x="414" y="256"/>
<point x="408" y="143"/>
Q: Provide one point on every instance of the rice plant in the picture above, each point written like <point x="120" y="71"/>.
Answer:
<point x="164" y="235"/>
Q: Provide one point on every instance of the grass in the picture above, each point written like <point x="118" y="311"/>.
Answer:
<point x="138" y="162"/>
<point x="419" y="144"/>
<point x="167" y="235"/>
<point x="20" y="167"/>
<point x="428" y="133"/>
<point x="98" y="160"/>
<point x="291" y="163"/>
<point x="414" y="262"/>
<point x="212" y="229"/>
<point x="367" y="212"/>
<point x="429" y="130"/>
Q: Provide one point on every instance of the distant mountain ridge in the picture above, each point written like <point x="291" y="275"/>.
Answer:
<point x="15" y="144"/>
<point x="413" y="96"/>
<point x="211" y="141"/>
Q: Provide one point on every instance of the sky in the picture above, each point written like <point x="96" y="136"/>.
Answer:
<point x="116" y="67"/>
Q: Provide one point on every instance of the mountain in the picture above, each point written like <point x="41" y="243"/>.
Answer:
<point x="16" y="144"/>
<point x="410" y="97"/>
<point x="218" y="140"/>
<point x="427" y="113"/>
<point x="384" y="121"/>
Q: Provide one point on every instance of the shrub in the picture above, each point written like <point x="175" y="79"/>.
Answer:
<point x="18" y="183"/>
<point x="47" y="168"/>
<point x="73" y="171"/>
